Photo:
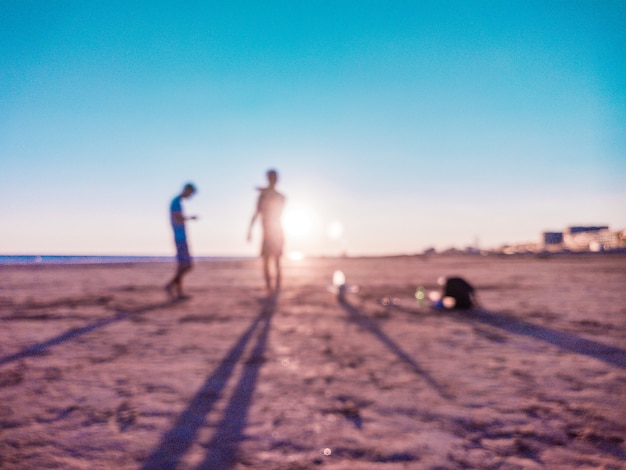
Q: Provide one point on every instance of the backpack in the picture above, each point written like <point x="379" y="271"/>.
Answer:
<point x="461" y="290"/>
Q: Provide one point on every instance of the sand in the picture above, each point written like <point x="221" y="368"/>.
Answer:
<point x="99" y="370"/>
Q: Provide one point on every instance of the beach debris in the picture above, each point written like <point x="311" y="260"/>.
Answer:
<point x="340" y="287"/>
<point x="11" y="378"/>
<point x="349" y="409"/>
<point x="420" y="296"/>
<point x="390" y="301"/>
<point x="125" y="415"/>
<point x="339" y="279"/>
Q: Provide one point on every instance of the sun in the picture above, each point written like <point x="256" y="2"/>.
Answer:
<point x="296" y="222"/>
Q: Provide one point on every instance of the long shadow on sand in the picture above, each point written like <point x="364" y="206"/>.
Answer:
<point x="362" y="320"/>
<point x="222" y="449"/>
<point x="39" y="348"/>
<point x="568" y="341"/>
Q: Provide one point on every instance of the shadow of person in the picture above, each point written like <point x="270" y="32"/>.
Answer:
<point x="567" y="341"/>
<point x="222" y="449"/>
<point x="40" y="348"/>
<point x="370" y="325"/>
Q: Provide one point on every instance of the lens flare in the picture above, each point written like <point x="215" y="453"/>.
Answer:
<point x="335" y="230"/>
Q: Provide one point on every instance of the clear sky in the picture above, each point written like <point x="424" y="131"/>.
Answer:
<point x="410" y="123"/>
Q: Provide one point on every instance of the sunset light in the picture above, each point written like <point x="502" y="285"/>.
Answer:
<point x="393" y="129"/>
<point x="296" y="223"/>
<point x="335" y="230"/>
<point x="295" y="256"/>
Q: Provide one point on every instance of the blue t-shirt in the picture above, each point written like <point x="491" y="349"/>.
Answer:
<point x="179" y="227"/>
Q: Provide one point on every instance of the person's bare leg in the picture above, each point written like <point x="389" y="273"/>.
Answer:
<point x="173" y="284"/>
<point x="277" y="273"/>
<point x="266" y="274"/>
<point x="177" y="282"/>
<point x="183" y="272"/>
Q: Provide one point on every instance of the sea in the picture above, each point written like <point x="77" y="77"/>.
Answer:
<point x="97" y="259"/>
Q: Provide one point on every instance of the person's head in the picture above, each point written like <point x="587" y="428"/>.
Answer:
<point x="272" y="177"/>
<point x="188" y="190"/>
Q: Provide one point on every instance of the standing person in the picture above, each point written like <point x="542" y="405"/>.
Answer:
<point x="270" y="208"/>
<point x="175" y="286"/>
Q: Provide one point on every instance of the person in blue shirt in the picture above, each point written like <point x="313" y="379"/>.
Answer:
<point x="270" y="208"/>
<point x="175" y="287"/>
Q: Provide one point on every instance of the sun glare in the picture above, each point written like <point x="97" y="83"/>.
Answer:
<point x="295" y="256"/>
<point x="296" y="223"/>
<point x="335" y="230"/>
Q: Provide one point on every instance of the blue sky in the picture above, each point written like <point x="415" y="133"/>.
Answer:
<point x="413" y="124"/>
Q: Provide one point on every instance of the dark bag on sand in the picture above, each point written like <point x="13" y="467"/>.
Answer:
<point x="461" y="290"/>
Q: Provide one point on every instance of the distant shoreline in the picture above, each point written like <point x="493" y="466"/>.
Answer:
<point x="47" y="260"/>
<point x="35" y="260"/>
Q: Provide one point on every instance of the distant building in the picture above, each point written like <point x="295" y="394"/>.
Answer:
<point x="552" y="238"/>
<point x="577" y="238"/>
<point x="579" y="229"/>
<point x="580" y="239"/>
<point x="592" y="238"/>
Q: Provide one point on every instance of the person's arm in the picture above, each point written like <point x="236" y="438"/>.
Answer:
<point x="254" y="217"/>
<point x="178" y="217"/>
<point x="252" y="221"/>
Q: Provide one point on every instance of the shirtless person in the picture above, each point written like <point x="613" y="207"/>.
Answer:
<point x="270" y="207"/>
<point x="175" y="286"/>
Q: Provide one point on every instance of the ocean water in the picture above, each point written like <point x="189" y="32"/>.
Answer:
<point x="56" y="259"/>
<point x="65" y="259"/>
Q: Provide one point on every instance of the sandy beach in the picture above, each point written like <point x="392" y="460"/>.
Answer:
<point x="100" y="370"/>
